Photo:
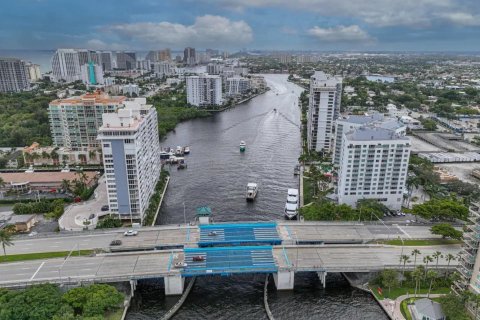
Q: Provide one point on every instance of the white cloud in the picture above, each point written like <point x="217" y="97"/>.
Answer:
<point x="206" y="31"/>
<point x="97" y="44"/>
<point x="340" y="33"/>
<point x="462" y="18"/>
<point x="381" y="13"/>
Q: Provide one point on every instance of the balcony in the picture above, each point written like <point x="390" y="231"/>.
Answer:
<point x="465" y="272"/>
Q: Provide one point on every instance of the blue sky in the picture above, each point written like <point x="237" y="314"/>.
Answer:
<point x="412" y="25"/>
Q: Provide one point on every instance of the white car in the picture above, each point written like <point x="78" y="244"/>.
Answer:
<point x="130" y="233"/>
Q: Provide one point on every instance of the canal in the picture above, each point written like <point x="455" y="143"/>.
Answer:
<point x="217" y="176"/>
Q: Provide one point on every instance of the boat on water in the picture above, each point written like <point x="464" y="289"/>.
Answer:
<point x="275" y="109"/>
<point x="296" y="170"/>
<point x="164" y="155"/>
<point x="292" y="204"/>
<point x="252" y="189"/>
<point x="243" y="146"/>
<point x="186" y="150"/>
<point x="181" y="164"/>
<point x="179" y="151"/>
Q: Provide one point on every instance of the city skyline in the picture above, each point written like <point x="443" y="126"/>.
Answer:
<point x="424" y="25"/>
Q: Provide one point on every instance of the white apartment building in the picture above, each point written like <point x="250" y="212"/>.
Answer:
<point x="13" y="75"/>
<point x="33" y="71"/>
<point x="66" y="65"/>
<point x="131" y="89"/>
<point x="204" y="90"/>
<point x="92" y="74"/>
<point x="323" y="109"/>
<point x="131" y="152"/>
<point x="373" y="165"/>
<point x="351" y="122"/>
<point x="163" y="69"/>
<point x="144" y="65"/>
<point x="214" y="68"/>
<point x="236" y="86"/>
<point x="74" y="121"/>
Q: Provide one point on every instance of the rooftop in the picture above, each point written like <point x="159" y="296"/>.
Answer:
<point x="363" y="119"/>
<point x="429" y="308"/>
<point x="42" y="177"/>
<point x="96" y="97"/>
<point x="374" y="133"/>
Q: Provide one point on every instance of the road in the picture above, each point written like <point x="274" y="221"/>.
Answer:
<point x="174" y="235"/>
<point x="154" y="264"/>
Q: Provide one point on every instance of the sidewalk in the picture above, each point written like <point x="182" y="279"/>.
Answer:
<point x="392" y="307"/>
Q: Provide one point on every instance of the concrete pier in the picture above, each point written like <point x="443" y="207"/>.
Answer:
<point x="284" y="280"/>
<point x="323" y="278"/>
<point x="174" y="285"/>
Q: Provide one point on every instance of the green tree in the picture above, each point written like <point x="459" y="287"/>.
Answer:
<point x="405" y="259"/>
<point x="431" y="275"/>
<point x="389" y="279"/>
<point x="437" y="255"/>
<point x="417" y="275"/>
<point x="415" y="252"/>
<point x="449" y="257"/>
<point x="445" y="209"/>
<point x="5" y="240"/>
<point x="426" y="260"/>
<point x="109" y="222"/>
<point x="446" y="231"/>
<point x="453" y="307"/>
<point x="93" y="300"/>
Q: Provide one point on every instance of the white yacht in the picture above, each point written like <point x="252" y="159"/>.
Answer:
<point x="292" y="204"/>
<point x="252" y="189"/>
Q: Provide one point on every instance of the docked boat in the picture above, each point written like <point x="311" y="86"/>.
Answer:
<point x="181" y="164"/>
<point x="296" y="170"/>
<point x="292" y="204"/>
<point x="252" y="189"/>
<point x="186" y="150"/>
<point x="179" y="151"/>
<point x="164" y="155"/>
<point x="243" y="146"/>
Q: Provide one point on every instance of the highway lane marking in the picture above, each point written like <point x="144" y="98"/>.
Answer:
<point x="400" y="228"/>
<point x="37" y="271"/>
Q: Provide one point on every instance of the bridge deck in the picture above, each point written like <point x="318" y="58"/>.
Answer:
<point x="227" y="260"/>
<point x="238" y="234"/>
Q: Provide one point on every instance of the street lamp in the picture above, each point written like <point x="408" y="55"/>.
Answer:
<point x="184" y="216"/>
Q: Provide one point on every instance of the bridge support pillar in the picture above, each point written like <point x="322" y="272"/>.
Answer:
<point x="284" y="280"/>
<point x="174" y="285"/>
<point x="323" y="278"/>
<point x="133" y="287"/>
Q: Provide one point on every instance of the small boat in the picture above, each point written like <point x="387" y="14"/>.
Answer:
<point x="164" y="155"/>
<point x="296" y="170"/>
<point x="243" y="146"/>
<point x="291" y="206"/>
<point x="186" y="150"/>
<point x="252" y="189"/>
<point x="181" y="165"/>
<point x="179" y="151"/>
<point x="275" y="109"/>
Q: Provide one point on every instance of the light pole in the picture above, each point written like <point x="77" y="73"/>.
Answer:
<point x="184" y="216"/>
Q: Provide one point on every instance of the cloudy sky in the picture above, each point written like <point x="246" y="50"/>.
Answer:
<point x="424" y="25"/>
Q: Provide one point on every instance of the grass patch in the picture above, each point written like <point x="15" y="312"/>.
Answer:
<point x="404" y="309"/>
<point x="400" y="291"/>
<point x="114" y="315"/>
<point x="428" y="242"/>
<point x="42" y="255"/>
<point x="307" y="190"/>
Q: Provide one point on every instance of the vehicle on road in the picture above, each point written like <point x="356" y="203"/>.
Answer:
<point x="198" y="258"/>
<point x="243" y="146"/>
<point x="105" y="207"/>
<point x="180" y="264"/>
<point x="116" y="243"/>
<point x="130" y="233"/>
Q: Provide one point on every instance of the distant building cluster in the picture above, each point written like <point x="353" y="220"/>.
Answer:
<point x="17" y="75"/>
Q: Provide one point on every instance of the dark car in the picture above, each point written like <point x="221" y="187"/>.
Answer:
<point x="116" y="243"/>
<point x="198" y="258"/>
<point x="105" y="207"/>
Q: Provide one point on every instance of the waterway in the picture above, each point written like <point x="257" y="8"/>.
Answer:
<point x="216" y="176"/>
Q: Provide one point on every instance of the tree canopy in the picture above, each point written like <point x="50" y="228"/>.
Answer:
<point x="446" y="231"/>
<point x="443" y="209"/>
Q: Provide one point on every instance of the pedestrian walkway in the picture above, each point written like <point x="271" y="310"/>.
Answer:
<point x="392" y="307"/>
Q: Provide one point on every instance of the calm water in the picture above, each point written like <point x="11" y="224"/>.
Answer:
<point x="217" y="175"/>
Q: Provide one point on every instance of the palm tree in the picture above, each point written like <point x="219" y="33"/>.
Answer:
<point x="426" y="260"/>
<point x="411" y="183"/>
<point x="415" y="252"/>
<point x="92" y="154"/>
<point x="437" y="255"/>
<point x="64" y="159"/>
<point x="405" y="258"/>
<point x="417" y="274"/>
<point x="2" y="183"/>
<point x="66" y="185"/>
<point x="5" y="240"/>
<point x="45" y="155"/>
<point x="449" y="257"/>
<point x="432" y="275"/>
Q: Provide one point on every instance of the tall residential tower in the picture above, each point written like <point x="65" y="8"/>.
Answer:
<point x="14" y="75"/>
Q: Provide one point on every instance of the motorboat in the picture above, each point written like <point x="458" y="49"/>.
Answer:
<point x="181" y="164"/>
<point x="274" y="109"/>
<point x="243" y="146"/>
<point x="296" y="170"/>
<point x="179" y="151"/>
<point x="252" y="189"/>
<point x="186" y="150"/>
<point x="292" y="204"/>
<point x="164" y="155"/>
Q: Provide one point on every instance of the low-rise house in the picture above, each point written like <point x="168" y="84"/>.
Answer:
<point x="23" y="222"/>
<point x="426" y="309"/>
